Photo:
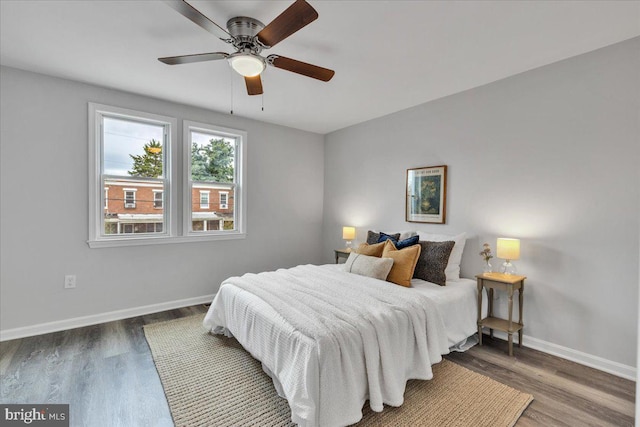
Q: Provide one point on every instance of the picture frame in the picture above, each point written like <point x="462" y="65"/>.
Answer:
<point x="426" y="199"/>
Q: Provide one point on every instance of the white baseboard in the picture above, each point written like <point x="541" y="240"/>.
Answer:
<point x="94" y="319"/>
<point x="609" y="366"/>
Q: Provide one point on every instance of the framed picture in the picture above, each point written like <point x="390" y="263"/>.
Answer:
<point x="427" y="194"/>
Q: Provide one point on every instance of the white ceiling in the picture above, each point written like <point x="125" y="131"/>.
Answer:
<point x="388" y="55"/>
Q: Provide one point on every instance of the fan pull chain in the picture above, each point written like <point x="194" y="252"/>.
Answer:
<point x="231" y="82"/>
<point x="262" y="94"/>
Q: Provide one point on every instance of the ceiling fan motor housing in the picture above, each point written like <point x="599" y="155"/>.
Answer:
<point x="244" y="29"/>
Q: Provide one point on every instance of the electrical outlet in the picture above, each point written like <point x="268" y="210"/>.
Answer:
<point x="69" y="281"/>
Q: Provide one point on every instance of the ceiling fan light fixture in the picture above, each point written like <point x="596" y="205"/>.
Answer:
<point x="247" y="65"/>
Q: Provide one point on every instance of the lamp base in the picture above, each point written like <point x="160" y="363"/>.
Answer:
<point x="349" y="246"/>
<point x="508" y="268"/>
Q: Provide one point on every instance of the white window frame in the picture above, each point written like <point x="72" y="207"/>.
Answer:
<point x="224" y="205"/>
<point x="207" y="194"/>
<point x="240" y="193"/>
<point x="97" y="112"/>
<point x="155" y="193"/>
<point x="175" y="231"/>
<point x="106" y="198"/>
<point x="130" y="205"/>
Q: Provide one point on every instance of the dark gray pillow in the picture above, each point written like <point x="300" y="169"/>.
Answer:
<point x="433" y="261"/>
<point x="374" y="237"/>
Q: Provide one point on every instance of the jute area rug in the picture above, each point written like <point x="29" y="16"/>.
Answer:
<point x="211" y="380"/>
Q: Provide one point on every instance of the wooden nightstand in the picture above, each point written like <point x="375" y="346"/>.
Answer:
<point x="508" y="283"/>
<point x="342" y="253"/>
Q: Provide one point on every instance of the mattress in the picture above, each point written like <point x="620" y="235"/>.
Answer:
<point x="261" y="330"/>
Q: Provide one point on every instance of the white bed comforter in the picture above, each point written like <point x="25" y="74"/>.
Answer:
<point x="342" y="339"/>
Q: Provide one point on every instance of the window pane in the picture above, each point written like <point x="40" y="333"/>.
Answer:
<point x="157" y="199"/>
<point x="135" y="206"/>
<point x="211" y="203"/>
<point x="213" y="175"/>
<point x="132" y="148"/>
<point x="204" y="200"/>
<point x="212" y="158"/>
<point x="129" y="199"/>
<point x="213" y="179"/>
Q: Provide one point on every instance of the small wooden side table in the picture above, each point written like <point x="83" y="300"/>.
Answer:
<point x="342" y="253"/>
<point x="508" y="283"/>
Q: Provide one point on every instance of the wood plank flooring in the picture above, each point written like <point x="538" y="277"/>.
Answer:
<point x="565" y="393"/>
<point x="106" y="373"/>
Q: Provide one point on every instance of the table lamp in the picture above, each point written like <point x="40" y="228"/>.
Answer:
<point x="348" y="234"/>
<point x="508" y="250"/>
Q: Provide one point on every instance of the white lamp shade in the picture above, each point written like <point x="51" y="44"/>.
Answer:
<point x="508" y="249"/>
<point x="247" y="65"/>
<point x="348" y="233"/>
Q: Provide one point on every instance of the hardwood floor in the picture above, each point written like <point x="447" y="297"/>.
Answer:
<point x="565" y="393"/>
<point x="106" y="373"/>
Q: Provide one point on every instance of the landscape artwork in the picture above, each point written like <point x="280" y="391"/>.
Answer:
<point x="426" y="194"/>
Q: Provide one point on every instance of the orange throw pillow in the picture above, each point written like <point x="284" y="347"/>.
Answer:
<point x="371" y="250"/>
<point x="404" y="262"/>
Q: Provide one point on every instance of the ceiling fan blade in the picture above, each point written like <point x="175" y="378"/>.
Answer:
<point x="295" y="17"/>
<point x="254" y="85"/>
<point x="190" y="12"/>
<point x="198" y="57"/>
<point x="300" y="67"/>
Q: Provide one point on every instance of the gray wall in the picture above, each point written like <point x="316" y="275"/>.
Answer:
<point x="44" y="212"/>
<point x="550" y="156"/>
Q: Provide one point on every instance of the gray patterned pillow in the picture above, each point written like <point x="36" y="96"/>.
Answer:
<point x="433" y="261"/>
<point x="373" y="237"/>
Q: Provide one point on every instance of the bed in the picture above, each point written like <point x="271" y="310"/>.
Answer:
<point x="332" y="340"/>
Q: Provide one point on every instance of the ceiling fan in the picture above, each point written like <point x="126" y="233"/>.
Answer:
<point x="249" y="37"/>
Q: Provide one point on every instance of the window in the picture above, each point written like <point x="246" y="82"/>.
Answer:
<point x="157" y="199"/>
<point x="133" y="192"/>
<point x="224" y="197"/>
<point x="130" y="198"/>
<point x="213" y="167"/>
<point x="130" y="158"/>
<point x="204" y="199"/>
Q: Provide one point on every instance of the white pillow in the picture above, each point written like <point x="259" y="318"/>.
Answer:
<point x="453" y="266"/>
<point x="369" y="266"/>
<point x="406" y="234"/>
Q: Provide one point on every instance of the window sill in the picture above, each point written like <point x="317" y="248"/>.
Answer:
<point x="164" y="240"/>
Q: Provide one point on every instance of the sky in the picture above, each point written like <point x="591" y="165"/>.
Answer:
<point x="125" y="137"/>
